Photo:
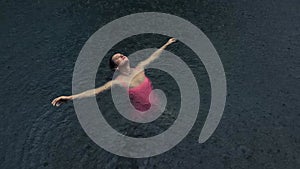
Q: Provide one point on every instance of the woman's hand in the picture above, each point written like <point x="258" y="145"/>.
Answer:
<point x="59" y="100"/>
<point x="170" y="41"/>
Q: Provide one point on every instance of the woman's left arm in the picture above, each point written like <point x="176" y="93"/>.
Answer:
<point x="156" y="54"/>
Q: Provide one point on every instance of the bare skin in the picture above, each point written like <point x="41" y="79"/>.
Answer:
<point x="130" y="76"/>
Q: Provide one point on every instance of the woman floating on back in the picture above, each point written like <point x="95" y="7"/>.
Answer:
<point x="139" y="84"/>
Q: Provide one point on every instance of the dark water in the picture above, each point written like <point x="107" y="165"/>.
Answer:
<point x="258" y="43"/>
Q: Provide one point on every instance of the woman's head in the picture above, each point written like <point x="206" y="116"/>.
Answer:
<point x="112" y="64"/>
<point x="117" y="60"/>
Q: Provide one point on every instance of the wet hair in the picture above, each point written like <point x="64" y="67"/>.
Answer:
<point x="112" y="64"/>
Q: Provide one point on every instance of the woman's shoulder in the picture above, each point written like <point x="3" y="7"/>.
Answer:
<point x="119" y="78"/>
<point x="138" y="70"/>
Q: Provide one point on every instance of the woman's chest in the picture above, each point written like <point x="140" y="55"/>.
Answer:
<point x="135" y="80"/>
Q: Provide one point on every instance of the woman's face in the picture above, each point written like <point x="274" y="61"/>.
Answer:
<point x="119" y="59"/>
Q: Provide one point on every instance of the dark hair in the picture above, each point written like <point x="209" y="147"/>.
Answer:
<point x="112" y="64"/>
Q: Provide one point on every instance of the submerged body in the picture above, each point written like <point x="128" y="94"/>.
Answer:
<point x="139" y="89"/>
<point x="140" y="95"/>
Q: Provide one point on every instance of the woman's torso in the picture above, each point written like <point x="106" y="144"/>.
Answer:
<point x="139" y="88"/>
<point x="136" y="78"/>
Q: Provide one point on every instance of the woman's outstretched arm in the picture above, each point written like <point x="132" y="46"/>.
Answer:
<point x="61" y="99"/>
<point x="156" y="54"/>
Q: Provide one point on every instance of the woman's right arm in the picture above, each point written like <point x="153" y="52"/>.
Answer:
<point x="59" y="100"/>
<point x="93" y="92"/>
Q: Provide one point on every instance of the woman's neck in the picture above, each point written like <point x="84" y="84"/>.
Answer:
<point x="125" y="70"/>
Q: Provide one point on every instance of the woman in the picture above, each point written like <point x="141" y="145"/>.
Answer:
<point x="134" y="78"/>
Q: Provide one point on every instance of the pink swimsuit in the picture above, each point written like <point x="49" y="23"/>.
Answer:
<point x="139" y="95"/>
<point x="140" y="99"/>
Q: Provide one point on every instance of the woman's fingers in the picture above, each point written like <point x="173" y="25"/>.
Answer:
<point x="172" y="40"/>
<point x="59" y="100"/>
<point x="58" y="104"/>
<point x="54" y="102"/>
